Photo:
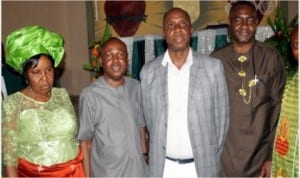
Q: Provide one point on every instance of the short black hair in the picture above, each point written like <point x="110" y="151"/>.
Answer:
<point x="176" y="8"/>
<point x="243" y="3"/>
<point x="113" y="39"/>
<point x="33" y="62"/>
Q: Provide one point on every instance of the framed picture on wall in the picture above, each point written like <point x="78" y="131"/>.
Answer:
<point x="136" y="18"/>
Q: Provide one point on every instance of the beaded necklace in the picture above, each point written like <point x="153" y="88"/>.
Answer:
<point x="37" y="97"/>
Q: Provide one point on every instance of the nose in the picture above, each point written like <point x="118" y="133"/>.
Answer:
<point x="44" y="76"/>
<point x="244" y="24"/>
<point x="177" y="27"/>
<point x="115" y="58"/>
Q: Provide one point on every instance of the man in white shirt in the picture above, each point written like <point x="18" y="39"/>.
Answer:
<point x="185" y="104"/>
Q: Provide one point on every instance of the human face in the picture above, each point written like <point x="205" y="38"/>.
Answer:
<point x="242" y="24"/>
<point x="294" y="44"/>
<point x="41" y="77"/>
<point x="177" y="30"/>
<point x="114" y="61"/>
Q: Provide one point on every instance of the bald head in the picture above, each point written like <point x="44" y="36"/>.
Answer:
<point x="176" y="9"/>
<point x="113" y="41"/>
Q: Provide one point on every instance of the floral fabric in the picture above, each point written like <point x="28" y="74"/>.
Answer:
<point x="285" y="161"/>
<point x="40" y="132"/>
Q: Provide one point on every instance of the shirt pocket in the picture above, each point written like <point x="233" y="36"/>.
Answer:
<point x="261" y="89"/>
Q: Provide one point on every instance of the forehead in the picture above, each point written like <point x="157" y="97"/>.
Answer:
<point x="44" y="59"/>
<point x="294" y="34"/>
<point x="114" y="44"/>
<point x="176" y="13"/>
<point x="241" y="10"/>
<point x="41" y="62"/>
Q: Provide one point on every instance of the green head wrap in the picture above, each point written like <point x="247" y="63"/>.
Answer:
<point x="26" y="42"/>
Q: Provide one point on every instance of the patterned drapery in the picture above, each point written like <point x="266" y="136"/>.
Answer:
<point x="142" y="49"/>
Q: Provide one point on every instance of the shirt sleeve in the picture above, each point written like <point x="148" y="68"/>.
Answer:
<point x="140" y="109"/>
<point x="10" y="115"/>
<point x="221" y="104"/>
<point x="278" y="83"/>
<point x="87" y="116"/>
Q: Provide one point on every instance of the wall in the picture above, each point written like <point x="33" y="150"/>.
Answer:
<point x="68" y="18"/>
<point x="65" y="17"/>
<point x="291" y="9"/>
<point x="203" y="13"/>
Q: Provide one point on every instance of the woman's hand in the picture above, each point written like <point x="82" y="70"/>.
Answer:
<point x="11" y="171"/>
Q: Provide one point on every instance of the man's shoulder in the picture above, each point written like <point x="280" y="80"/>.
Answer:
<point x="221" y="51"/>
<point x="206" y="59"/>
<point x="154" y="62"/>
<point x="264" y="47"/>
<point x="151" y="67"/>
<point x="132" y="81"/>
<point x="97" y="85"/>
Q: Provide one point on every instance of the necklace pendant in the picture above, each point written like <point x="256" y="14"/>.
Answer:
<point x="242" y="92"/>
<point x="251" y="83"/>
<point x="242" y="73"/>
<point x="242" y="59"/>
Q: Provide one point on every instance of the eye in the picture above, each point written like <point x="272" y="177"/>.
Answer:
<point x="250" y="20"/>
<point x="183" y="24"/>
<point x="171" y="26"/>
<point x="238" y="20"/>
<point x="50" y="69"/>
<point x="295" y="45"/>
<point x="122" y="55"/>
<point x="35" y="72"/>
<point x="107" y="55"/>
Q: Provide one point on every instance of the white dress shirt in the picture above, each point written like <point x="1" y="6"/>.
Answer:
<point x="178" y="139"/>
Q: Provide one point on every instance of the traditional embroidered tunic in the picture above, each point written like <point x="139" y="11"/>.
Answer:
<point x="252" y="126"/>
<point x="286" y="145"/>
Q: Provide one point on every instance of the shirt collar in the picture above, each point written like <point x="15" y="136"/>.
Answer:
<point x="167" y="58"/>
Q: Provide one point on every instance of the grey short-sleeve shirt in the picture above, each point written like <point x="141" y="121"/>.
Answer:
<point x="112" y="118"/>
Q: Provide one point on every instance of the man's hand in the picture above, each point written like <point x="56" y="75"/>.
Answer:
<point x="266" y="169"/>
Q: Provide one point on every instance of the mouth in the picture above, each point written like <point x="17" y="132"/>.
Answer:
<point x="46" y="87"/>
<point x="244" y="32"/>
<point x="116" y="68"/>
<point x="178" y="38"/>
<point x="46" y="84"/>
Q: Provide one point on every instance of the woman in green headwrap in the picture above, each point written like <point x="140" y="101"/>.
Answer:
<point x="39" y="122"/>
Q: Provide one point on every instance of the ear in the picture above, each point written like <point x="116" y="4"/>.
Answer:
<point x="100" y="61"/>
<point x="257" y="21"/>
